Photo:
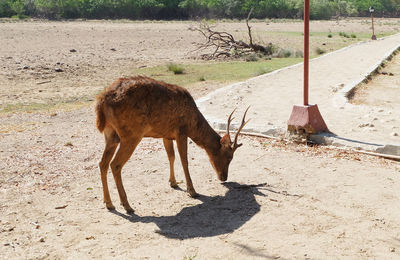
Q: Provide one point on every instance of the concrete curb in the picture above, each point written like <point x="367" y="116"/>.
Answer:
<point x="342" y="97"/>
<point x="329" y="139"/>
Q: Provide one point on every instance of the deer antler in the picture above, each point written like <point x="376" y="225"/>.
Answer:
<point x="229" y="121"/>
<point x="235" y="144"/>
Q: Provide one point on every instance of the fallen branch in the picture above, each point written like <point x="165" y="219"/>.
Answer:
<point x="223" y="44"/>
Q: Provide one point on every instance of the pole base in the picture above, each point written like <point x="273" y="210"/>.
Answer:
<point x="306" y="119"/>
<point x="373" y="37"/>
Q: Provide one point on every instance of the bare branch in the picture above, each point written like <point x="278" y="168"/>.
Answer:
<point x="248" y="26"/>
<point x="223" y="44"/>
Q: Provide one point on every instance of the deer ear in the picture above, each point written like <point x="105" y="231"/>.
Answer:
<point x="226" y="141"/>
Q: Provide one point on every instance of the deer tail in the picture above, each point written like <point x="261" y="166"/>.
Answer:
<point x="101" y="118"/>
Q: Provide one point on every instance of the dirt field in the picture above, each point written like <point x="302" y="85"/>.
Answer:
<point x="52" y="62"/>
<point x="385" y="84"/>
<point x="281" y="201"/>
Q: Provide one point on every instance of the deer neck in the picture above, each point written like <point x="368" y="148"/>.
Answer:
<point x="204" y="136"/>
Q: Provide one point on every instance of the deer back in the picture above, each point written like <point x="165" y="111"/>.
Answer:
<point x="145" y="105"/>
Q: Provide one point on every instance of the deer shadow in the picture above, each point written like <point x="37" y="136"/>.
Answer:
<point x="215" y="216"/>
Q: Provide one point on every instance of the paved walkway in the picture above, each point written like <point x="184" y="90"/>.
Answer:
<point x="272" y="96"/>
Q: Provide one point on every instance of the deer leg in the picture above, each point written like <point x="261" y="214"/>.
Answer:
<point x="125" y="151"/>
<point x="181" y="142"/>
<point x="169" y="147"/>
<point x="109" y="150"/>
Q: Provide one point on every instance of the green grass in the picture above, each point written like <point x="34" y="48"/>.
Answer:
<point x="225" y="72"/>
<point x="330" y="40"/>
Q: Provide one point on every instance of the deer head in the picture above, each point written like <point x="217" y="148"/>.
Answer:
<point x="221" y="160"/>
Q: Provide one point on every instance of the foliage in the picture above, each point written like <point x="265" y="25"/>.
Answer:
<point x="184" y="9"/>
<point x="344" y="34"/>
<point x="175" y="68"/>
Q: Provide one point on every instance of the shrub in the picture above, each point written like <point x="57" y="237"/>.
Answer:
<point x="18" y="7"/>
<point x="251" y="57"/>
<point x="283" y="53"/>
<point x="299" y="54"/>
<point x="320" y="51"/>
<point x="343" y="34"/>
<point x="321" y="9"/>
<point x="175" y="68"/>
<point x="330" y="35"/>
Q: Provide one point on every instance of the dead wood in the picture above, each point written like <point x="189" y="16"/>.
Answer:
<point x="223" y="44"/>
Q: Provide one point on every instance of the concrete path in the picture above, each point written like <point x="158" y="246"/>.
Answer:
<point x="272" y="96"/>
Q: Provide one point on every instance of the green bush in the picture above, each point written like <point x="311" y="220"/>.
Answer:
<point x="343" y="34"/>
<point x="320" y="9"/>
<point x="17" y="8"/>
<point x="175" y="68"/>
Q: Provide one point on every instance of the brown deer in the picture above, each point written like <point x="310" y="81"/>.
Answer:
<point x="137" y="107"/>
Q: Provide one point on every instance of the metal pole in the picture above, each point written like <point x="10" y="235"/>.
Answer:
<point x="306" y="48"/>
<point x="372" y="17"/>
<point x="373" y="30"/>
<point x="371" y="10"/>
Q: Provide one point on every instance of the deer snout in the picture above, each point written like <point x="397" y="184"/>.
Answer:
<point x="223" y="176"/>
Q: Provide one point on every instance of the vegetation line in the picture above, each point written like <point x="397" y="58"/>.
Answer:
<point x="189" y="9"/>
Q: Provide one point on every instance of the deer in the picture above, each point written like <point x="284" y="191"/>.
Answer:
<point x="136" y="107"/>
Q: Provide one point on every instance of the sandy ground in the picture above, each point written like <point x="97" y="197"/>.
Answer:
<point x="385" y="84"/>
<point x="281" y="201"/>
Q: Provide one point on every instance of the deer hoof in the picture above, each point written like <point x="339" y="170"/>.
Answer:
<point x="193" y="193"/>
<point x="129" y="210"/>
<point x="110" y="206"/>
<point x="173" y="184"/>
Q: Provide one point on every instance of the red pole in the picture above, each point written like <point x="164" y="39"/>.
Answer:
<point x="373" y="30"/>
<point x="307" y="118"/>
<point x="372" y="17"/>
<point x="306" y="48"/>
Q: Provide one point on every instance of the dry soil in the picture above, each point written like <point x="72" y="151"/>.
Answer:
<point x="282" y="201"/>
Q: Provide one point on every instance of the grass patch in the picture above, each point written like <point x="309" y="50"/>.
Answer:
<point x="261" y="71"/>
<point x="294" y="40"/>
<point x="51" y="107"/>
<point x="221" y="72"/>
